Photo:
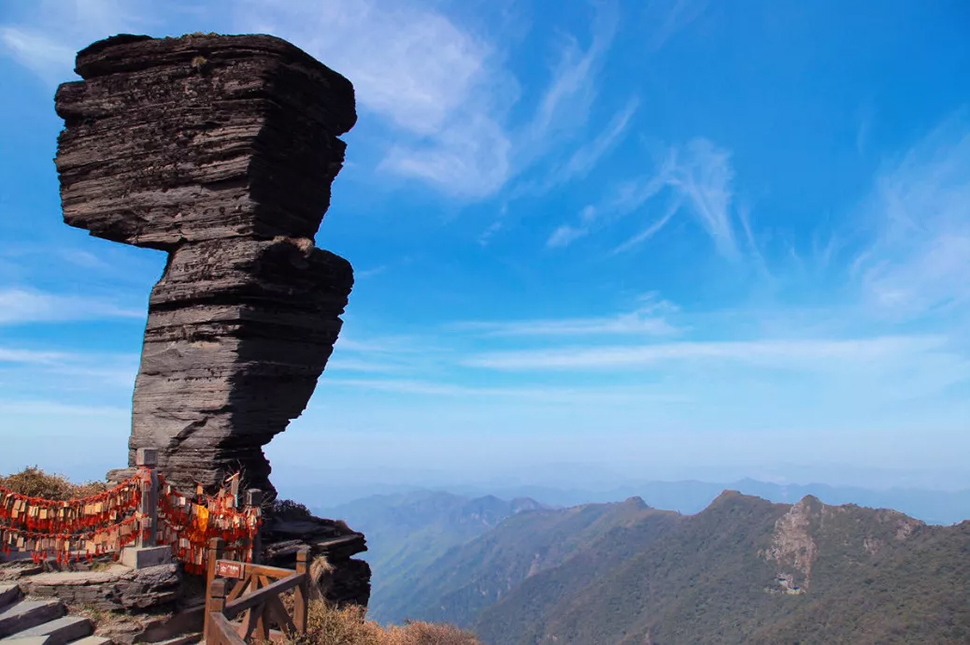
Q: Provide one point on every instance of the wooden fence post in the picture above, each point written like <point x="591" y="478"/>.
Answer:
<point x="302" y="597"/>
<point x="215" y="602"/>
<point x="148" y="458"/>
<point x="216" y="546"/>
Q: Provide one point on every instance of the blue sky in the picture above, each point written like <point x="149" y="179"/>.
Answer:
<point x="649" y="239"/>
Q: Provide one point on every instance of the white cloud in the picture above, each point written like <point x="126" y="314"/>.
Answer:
<point x="410" y="64"/>
<point x="380" y="344"/>
<point x="467" y="159"/>
<point x="825" y="354"/>
<point x="439" y="84"/>
<point x="649" y="320"/>
<point x="30" y="357"/>
<point x="369" y="273"/>
<point x="589" y="396"/>
<point x="919" y="261"/>
<point x="57" y="409"/>
<point x="588" y="155"/>
<point x="20" y="306"/>
<point x="697" y="175"/>
<point x="566" y="235"/>
<point x="667" y="17"/>
<point x="445" y="89"/>
<point x="346" y="364"/>
<point x="651" y="230"/>
<point x="491" y="230"/>
<point x="55" y="30"/>
<point x="46" y="57"/>
<point x="566" y="102"/>
<point x="58" y="374"/>
<point x="701" y="174"/>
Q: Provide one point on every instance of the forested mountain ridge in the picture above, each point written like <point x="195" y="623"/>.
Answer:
<point x="407" y="532"/>
<point x="744" y="570"/>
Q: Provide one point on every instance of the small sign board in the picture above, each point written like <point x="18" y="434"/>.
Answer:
<point x="229" y="569"/>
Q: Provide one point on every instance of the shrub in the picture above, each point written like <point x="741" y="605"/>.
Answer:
<point x="349" y="626"/>
<point x="34" y="482"/>
<point x="287" y="509"/>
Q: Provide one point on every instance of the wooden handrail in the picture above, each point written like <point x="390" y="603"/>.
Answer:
<point x="266" y="570"/>
<point x="260" y="596"/>
<point x="227" y="635"/>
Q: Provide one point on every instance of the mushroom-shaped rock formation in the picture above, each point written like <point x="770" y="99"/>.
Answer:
<point x="219" y="150"/>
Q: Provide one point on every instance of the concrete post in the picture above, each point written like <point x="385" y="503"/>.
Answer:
<point x="146" y="552"/>
<point x="254" y="497"/>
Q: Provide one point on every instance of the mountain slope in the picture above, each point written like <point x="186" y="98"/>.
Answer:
<point x="407" y="532"/>
<point x="744" y="570"/>
<point x="470" y="577"/>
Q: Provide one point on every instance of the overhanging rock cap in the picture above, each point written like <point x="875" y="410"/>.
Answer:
<point x="131" y="52"/>
<point x="173" y="140"/>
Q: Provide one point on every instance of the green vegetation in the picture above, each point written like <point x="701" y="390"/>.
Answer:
<point x="624" y="573"/>
<point x="406" y="533"/>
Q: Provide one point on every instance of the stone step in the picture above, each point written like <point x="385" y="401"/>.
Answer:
<point x="9" y="594"/>
<point x="93" y="640"/>
<point x="188" y="621"/>
<point x="59" y="631"/>
<point x="27" y="640"/>
<point x="184" y="639"/>
<point x="28" y="613"/>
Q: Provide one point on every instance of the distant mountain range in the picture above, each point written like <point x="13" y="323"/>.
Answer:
<point x="931" y="506"/>
<point x="406" y="533"/>
<point x="742" y="570"/>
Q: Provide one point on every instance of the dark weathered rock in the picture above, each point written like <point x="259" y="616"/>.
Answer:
<point x="116" y="588"/>
<point x="349" y="579"/>
<point x="178" y="140"/>
<point x="221" y="151"/>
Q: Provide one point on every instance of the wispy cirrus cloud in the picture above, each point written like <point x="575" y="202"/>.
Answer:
<point x="610" y="395"/>
<point x="444" y="89"/>
<point x="822" y="353"/>
<point x="588" y="155"/>
<point x="22" y="306"/>
<point x="918" y="261"/>
<point x="701" y="174"/>
<point x="667" y="17"/>
<point x="440" y="86"/>
<point x="57" y="409"/>
<point x="651" y="320"/>
<point x="30" y="356"/>
<point x="51" y="32"/>
<point x="566" y="102"/>
<point x="58" y="374"/>
<point x="697" y="179"/>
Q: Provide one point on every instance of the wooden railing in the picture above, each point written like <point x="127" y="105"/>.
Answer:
<point x="253" y="592"/>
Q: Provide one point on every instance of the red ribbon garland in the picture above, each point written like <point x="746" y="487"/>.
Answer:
<point x="77" y="522"/>
<point x="180" y="526"/>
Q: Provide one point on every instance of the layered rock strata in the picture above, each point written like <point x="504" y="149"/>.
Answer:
<point x="346" y="580"/>
<point x="220" y="151"/>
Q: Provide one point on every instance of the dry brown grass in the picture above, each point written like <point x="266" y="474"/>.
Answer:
<point x="348" y="626"/>
<point x="320" y="572"/>
<point x="34" y="482"/>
